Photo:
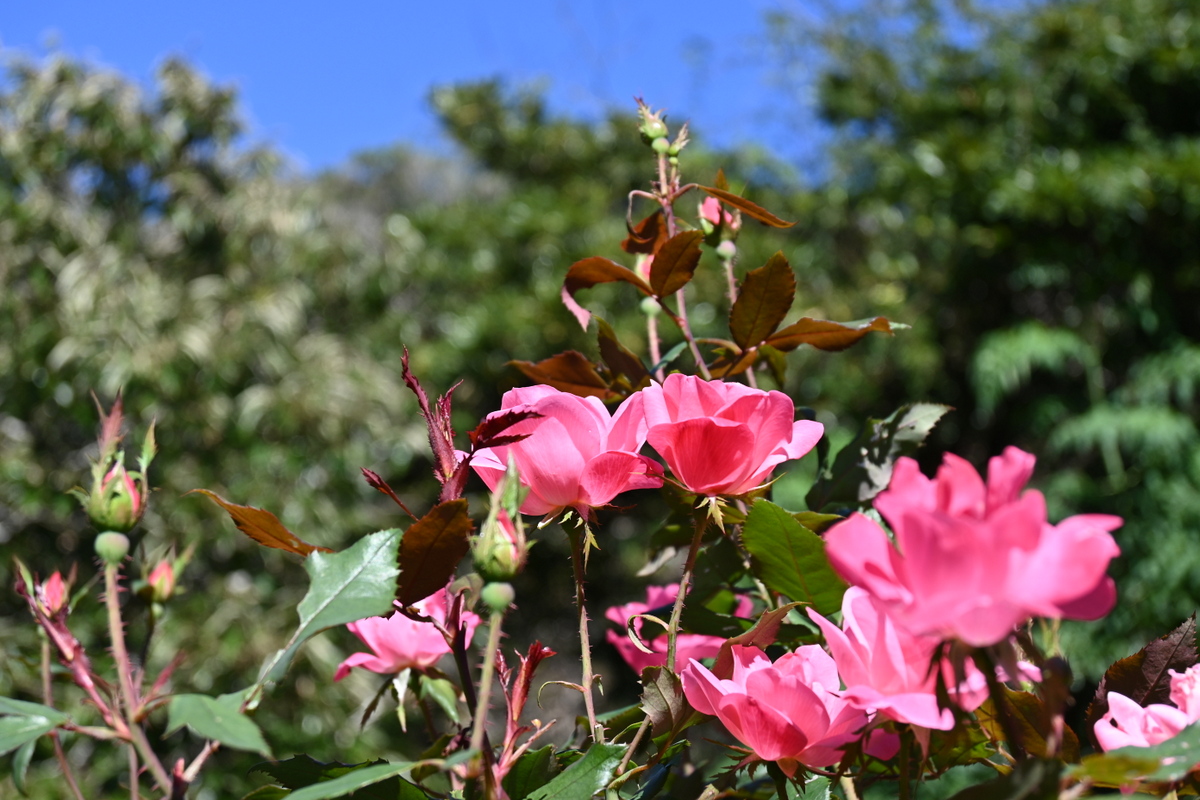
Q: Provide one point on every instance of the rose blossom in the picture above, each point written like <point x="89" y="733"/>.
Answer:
<point x="972" y="560"/>
<point x="789" y="712"/>
<point x="687" y="645"/>
<point x="887" y="669"/>
<point x="399" y="643"/>
<point x="723" y="438"/>
<point x="1128" y="724"/>
<point x="576" y="455"/>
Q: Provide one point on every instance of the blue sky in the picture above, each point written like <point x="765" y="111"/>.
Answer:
<point x="320" y="80"/>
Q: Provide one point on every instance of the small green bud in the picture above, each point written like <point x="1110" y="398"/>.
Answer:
<point x="654" y="128"/>
<point x="498" y="596"/>
<point x="673" y="161"/>
<point x="112" y="547"/>
<point x="650" y="307"/>
<point x="674" y="149"/>
<point x="726" y="250"/>
<point x="660" y="145"/>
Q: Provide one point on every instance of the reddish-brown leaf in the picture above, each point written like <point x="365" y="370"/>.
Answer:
<point x="487" y="431"/>
<point x="262" y="526"/>
<point x="647" y="236"/>
<point x="620" y="359"/>
<point x="1143" y="677"/>
<point x="763" y="301"/>
<point x="746" y="207"/>
<point x="825" y="335"/>
<point x="568" y="372"/>
<point x="675" y="263"/>
<point x="431" y="549"/>
<point x="592" y="271"/>
<point x="379" y="484"/>
<point x="733" y="364"/>
<point x="441" y="435"/>
<point x="761" y="635"/>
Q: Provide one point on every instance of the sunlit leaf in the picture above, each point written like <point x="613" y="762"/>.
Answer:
<point x="675" y="263"/>
<point x="263" y="527"/>
<point x="763" y="300"/>
<point x="620" y="359"/>
<point x="825" y="335"/>
<point x="746" y="207"/>
<point x="355" y="583"/>
<point x="590" y="272"/>
<point x="647" y="236"/>
<point x="663" y="700"/>
<point x="1030" y="719"/>
<point x="585" y="777"/>
<point x="790" y="559"/>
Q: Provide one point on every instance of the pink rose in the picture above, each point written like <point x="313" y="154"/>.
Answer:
<point x="576" y="456"/>
<point x="53" y="594"/>
<point x="714" y="213"/>
<point x="1185" y="691"/>
<point x="972" y="561"/>
<point x="687" y="645"/>
<point x="789" y="712"/>
<point x="723" y="438"/>
<point x="399" y="643"/>
<point x="887" y="669"/>
<point x="1129" y="725"/>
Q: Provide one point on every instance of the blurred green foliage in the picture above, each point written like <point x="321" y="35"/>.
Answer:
<point x="1022" y="189"/>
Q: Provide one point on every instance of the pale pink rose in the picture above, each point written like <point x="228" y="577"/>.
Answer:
<point x="1129" y="725"/>
<point x="399" y="643"/>
<point x="723" y="438"/>
<point x="687" y="645"/>
<point x="971" y="560"/>
<point x="576" y="456"/>
<point x="887" y="669"/>
<point x="643" y="267"/>
<point x="1185" y="691"/>
<point x="712" y="211"/>
<point x="790" y="712"/>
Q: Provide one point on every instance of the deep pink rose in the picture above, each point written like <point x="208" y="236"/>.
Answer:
<point x="972" y="560"/>
<point x="714" y="213"/>
<point x="789" y="712"/>
<point x="723" y="438"/>
<point x="887" y="669"/>
<point x="399" y="643"/>
<point x="576" y="456"/>
<point x="687" y="645"/>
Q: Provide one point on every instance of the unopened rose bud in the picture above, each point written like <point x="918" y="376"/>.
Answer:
<point x="501" y="550"/>
<point x="726" y="250"/>
<point x="650" y="123"/>
<point x="112" y="547"/>
<point x="115" y="504"/>
<point x="660" y="145"/>
<point x="52" y="595"/>
<point x="161" y="582"/>
<point x="650" y="307"/>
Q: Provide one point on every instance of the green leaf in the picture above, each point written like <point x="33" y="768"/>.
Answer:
<point x="25" y="722"/>
<point x="585" y="777"/>
<point x="431" y="549"/>
<point x="352" y="781"/>
<point x="1030" y="721"/>
<point x="863" y="468"/>
<point x="444" y="693"/>
<point x="763" y="301"/>
<point x="815" y="788"/>
<point x="20" y="765"/>
<point x="1035" y="779"/>
<point x="791" y="559"/>
<point x="344" y="587"/>
<point x="532" y="771"/>
<point x="216" y="718"/>
<point x="267" y="793"/>
<point x="675" y="263"/>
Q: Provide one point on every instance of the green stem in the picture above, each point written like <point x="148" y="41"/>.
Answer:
<point x="585" y="645"/>
<point x="685" y="581"/>
<point x="129" y="703"/>
<point x="485" y="679"/>
<point x="905" y="766"/>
